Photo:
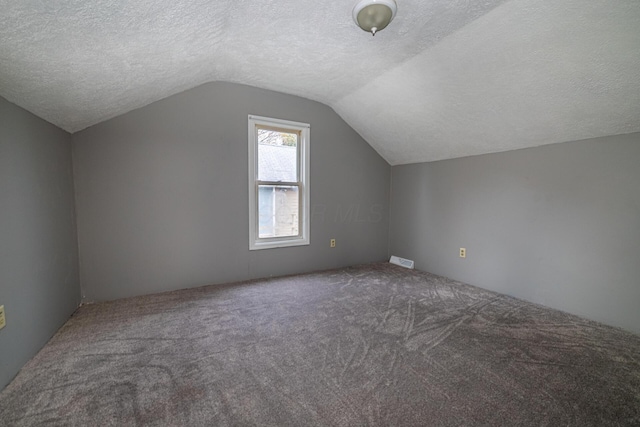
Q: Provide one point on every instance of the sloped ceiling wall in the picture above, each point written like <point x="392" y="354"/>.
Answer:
<point x="526" y="74"/>
<point x="445" y="79"/>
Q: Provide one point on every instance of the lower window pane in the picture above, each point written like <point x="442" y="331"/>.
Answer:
<point x="278" y="211"/>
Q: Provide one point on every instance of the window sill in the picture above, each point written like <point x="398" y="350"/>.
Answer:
<point x="273" y="244"/>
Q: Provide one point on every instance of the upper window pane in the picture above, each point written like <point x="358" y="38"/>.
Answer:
<point x="277" y="155"/>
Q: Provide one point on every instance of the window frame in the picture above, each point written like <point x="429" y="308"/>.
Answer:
<point x="303" y="129"/>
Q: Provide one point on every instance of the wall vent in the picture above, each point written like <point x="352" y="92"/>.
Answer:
<point x="402" y="262"/>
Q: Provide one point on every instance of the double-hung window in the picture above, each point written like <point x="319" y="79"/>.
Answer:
<point x="278" y="183"/>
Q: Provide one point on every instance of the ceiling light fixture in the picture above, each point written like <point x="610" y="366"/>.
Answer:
<point x="374" y="15"/>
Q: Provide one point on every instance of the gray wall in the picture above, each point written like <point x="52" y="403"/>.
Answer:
<point x="38" y="248"/>
<point x="162" y="194"/>
<point x="558" y="225"/>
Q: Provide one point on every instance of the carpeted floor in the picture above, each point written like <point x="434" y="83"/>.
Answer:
<point x="361" y="346"/>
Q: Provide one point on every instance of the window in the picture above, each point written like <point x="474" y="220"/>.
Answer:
<point x="278" y="183"/>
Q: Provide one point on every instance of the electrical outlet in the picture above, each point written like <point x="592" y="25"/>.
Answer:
<point x="2" y="319"/>
<point x="332" y="243"/>
<point x="463" y="253"/>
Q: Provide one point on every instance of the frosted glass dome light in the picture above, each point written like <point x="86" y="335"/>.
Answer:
<point x="374" y="15"/>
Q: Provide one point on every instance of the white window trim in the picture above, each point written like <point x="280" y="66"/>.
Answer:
<point x="255" y="242"/>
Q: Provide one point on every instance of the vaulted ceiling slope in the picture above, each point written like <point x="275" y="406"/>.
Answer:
<point x="446" y="79"/>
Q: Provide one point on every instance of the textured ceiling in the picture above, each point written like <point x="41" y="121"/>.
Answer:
<point x="445" y="79"/>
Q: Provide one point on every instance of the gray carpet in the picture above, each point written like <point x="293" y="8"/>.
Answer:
<point x="361" y="346"/>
